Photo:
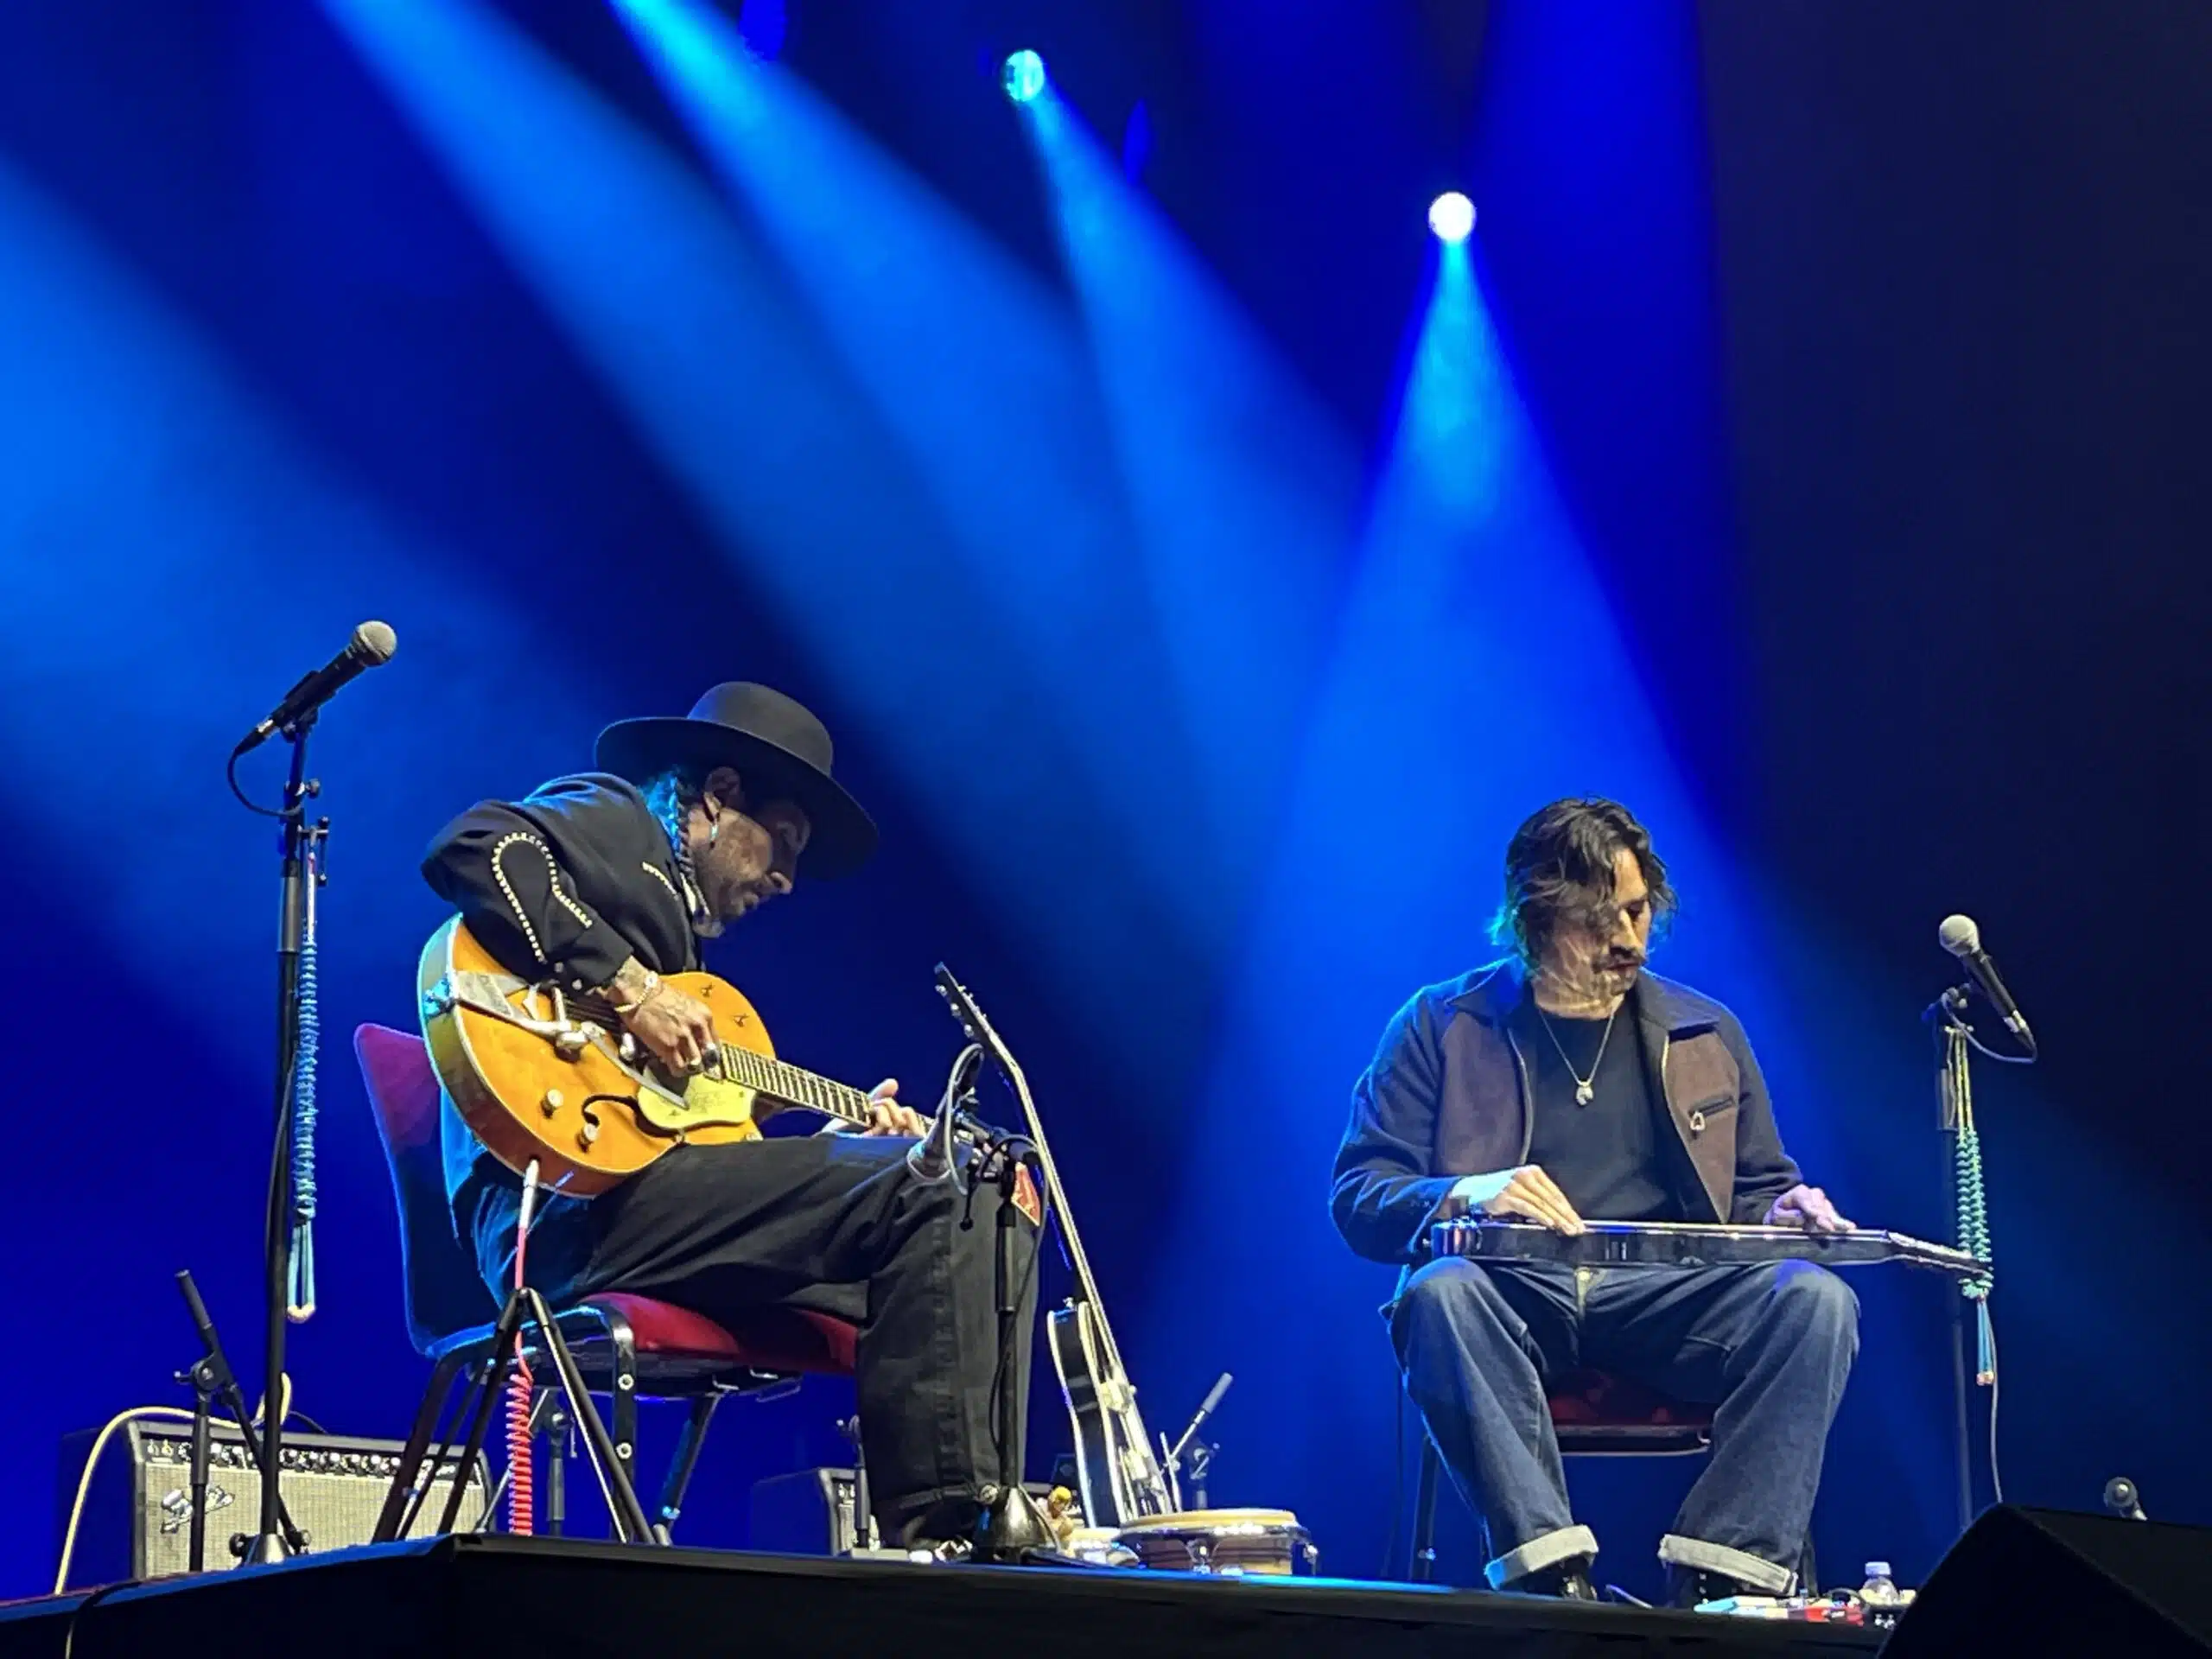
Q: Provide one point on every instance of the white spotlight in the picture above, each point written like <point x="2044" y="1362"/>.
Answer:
<point x="1451" y="216"/>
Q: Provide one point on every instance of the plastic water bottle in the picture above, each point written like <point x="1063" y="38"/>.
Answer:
<point x="1878" y="1597"/>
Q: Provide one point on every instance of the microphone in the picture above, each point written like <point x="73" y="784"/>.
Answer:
<point x="371" y="646"/>
<point x="2123" y="1500"/>
<point x="930" y="1158"/>
<point x="1962" y="938"/>
<point x="1205" y="1410"/>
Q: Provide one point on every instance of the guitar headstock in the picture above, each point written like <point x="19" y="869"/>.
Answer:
<point x="958" y="998"/>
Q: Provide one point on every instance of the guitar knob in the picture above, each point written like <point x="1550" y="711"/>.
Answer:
<point x="588" y="1134"/>
<point x="570" y="1046"/>
<point x="554" y="1101"/>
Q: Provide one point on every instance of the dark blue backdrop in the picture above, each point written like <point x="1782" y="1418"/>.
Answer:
<point x="1201" y="578"/>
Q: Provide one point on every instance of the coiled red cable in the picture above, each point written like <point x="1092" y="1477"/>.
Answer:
<point x="521" y="1495"/>
<point x="521" y="1507"/>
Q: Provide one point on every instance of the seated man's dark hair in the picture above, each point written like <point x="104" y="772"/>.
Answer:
<point x="1558" y="867"/>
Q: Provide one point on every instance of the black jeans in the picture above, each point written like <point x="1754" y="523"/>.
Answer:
<point x="835" y="1223"/>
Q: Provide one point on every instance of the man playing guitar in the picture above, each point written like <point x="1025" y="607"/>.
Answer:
<point x="604" y="882"/>
<point x="1567" y="1082"/>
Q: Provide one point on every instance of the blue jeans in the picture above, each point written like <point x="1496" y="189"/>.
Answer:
<point x="1767" y="1347"/>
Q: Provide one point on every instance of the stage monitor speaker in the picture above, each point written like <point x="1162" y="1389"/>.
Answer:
<point x="137" y="1518"/>
<point x="2049" y="1581"/>
<point x="810" y="1512"/>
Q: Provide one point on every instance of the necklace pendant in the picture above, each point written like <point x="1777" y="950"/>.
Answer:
<point x="1583" y="1092"/>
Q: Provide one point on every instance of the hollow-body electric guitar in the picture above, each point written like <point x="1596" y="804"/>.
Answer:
<point x="544" y="1076"/>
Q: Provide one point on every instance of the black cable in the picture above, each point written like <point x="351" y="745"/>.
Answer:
<point x="69" y="1630"/>
<point x="1940" y="1012"/>
<point x="231" y="772"/>
<point x="1028" y="1277"/>
<point x="1996" y="1479"/>
<point x="1987" y="1052"/>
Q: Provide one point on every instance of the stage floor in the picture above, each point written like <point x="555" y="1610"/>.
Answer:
<point x="488" y="1595"/>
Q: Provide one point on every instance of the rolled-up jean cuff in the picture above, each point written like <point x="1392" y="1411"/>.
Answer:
<point x="1567" y="1544"/>
<point x="1678" y="1551"/>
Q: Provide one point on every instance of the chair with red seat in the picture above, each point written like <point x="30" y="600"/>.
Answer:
<point x="1593" y="1413"/>
<point x="629" y="1347"/>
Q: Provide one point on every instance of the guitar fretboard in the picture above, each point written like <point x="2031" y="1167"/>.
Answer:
<point x="792" y="1085"/>
<point x="783" y="1083"/>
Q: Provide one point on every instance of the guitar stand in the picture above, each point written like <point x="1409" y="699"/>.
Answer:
<point x="402" y="1502"/>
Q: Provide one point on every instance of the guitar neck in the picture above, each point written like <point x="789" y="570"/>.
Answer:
<point x="785" y="1084"/>
<point x="790" y="1086"/>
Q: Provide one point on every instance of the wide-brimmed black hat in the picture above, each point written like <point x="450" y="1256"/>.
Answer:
<point x="776" y="746"/>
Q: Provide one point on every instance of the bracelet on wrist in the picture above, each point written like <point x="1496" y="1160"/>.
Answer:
<point x="648" y="990"/>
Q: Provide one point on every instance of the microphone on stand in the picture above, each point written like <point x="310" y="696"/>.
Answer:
<point x="371" y="646"/>
<point x="2123" y="1500"/>
<point x="1962" y="938"/>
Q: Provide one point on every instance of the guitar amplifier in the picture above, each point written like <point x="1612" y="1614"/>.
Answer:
<point x="810" y="1513"/>
<point x="137" y="1518"/>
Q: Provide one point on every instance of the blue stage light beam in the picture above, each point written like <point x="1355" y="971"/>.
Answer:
<point x="177" y="555"/>
<point x="983" y="374"/>
<point x="694" y="327"/>
<point x="1245" y="490"/>
<point x="1478" y="673"/>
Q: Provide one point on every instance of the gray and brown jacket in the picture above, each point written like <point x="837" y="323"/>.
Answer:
<point x="1448" y="1096"/>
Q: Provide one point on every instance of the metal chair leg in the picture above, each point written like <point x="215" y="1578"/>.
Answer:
<point x="678" y="1479"/>
<point x="1420" y="1565"/>
<point x="863" y="1501"/>
<point x="390" y="1519"/>
<point x="623" y="1385"/>
<point x="611" y="1467"/>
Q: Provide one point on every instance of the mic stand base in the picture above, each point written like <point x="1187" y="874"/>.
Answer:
<point x="1014" y="1529"/>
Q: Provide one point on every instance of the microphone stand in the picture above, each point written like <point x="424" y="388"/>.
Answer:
<point x="212" y="1379"/>
<point x="1201" y="1454"/>
<point x="1955" y="1092"/>
<point x="300" y="846"/>
<point x="1012" y="1529"/>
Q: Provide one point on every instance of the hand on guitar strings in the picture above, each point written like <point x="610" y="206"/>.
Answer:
<point x="887" y="1116"/>
<point x="1527" y="1192"/>
<point x="675" y="1027"/>
<point x="1807" y="1207"/>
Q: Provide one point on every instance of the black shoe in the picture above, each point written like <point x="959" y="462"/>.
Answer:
<point x="1688" y="1587"/>
<point x="1568" y="1580"/>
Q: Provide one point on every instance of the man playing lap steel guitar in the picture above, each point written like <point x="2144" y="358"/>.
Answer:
<point x="604" y="882"/>
<point x="1567" y="1082"/>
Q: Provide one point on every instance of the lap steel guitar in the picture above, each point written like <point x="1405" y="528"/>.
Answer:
<point x="1690" y="1244"/>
